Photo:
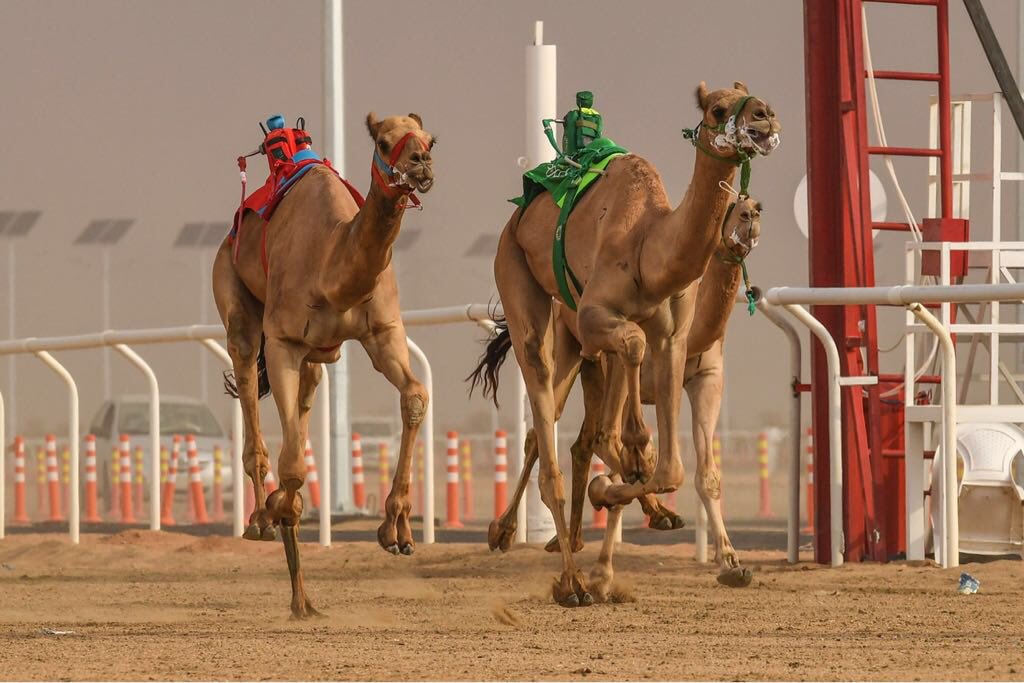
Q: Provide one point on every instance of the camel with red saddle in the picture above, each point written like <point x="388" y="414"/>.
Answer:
<point x="317" y="274"/>
<point x="636" y="256"/>
<point x="715" y="295"/>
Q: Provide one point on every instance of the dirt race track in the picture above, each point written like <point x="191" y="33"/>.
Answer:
<point x="147" y="605"/>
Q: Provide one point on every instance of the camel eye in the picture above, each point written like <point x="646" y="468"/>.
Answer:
<point x="384" y="146"/>
<point x="718" y="112"/>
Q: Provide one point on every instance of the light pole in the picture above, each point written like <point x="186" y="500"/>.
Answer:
<point x="205" y="237"/>
<point x="13" y="224"/>
<point x="105" y="233"/>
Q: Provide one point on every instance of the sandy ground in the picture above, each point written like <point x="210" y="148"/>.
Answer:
<point x="147" y="605"/>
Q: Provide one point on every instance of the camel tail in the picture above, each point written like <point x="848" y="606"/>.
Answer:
<point x="487" y="370"/>
<point x="262" y="379"/>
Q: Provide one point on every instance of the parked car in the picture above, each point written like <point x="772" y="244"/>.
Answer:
<point x="179" y="415"/>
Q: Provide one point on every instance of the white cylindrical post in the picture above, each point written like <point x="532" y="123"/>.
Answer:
<point x="325" y="458"/>
<point x="3" y="474"/>
<point x="428" y="443"/>
<point x="338" y="390"/>
<point x="541" y="98"/>
<point x="73" y="436"/>
<point x="154" y="432"/>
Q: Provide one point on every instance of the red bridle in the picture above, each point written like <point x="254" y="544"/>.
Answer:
<point x="378" y="168"/>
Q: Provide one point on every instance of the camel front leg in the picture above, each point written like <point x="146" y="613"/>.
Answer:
<point x="294" y="384"/>
<point x="389" y="353"/>
<point x="603" y="573"/>
<point x="704" y="387"/>
<point x="667" y="358"/>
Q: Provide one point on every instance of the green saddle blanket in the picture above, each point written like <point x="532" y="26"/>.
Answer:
<point x="567" y="183"/>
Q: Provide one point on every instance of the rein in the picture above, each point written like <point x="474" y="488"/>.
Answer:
<point x="389" y="178"/>
<point x="737" y="260"/>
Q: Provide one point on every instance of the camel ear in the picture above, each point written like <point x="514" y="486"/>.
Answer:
<point x="372" y="124"/>
<point x="702" y="95"/>
<point x="741" y="86"/>
<point x="417" y="119"/>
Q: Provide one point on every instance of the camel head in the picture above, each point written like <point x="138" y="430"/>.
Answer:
<point x="742" y="228"/>
<point x="401" y="157"/>
<point x="736" y="124"/>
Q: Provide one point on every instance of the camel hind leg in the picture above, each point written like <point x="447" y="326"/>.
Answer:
<point x="242" y="315"/>
<point x="528" y="311"/>
<point x="704" y="387"/>
<point x="567" y="364"/>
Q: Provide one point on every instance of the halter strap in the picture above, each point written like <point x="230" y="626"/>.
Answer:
<point x="740" y="261"/>
<point x="383" y="173"/>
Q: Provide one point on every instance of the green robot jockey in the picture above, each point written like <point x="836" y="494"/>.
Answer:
<point x="582" y="126"/>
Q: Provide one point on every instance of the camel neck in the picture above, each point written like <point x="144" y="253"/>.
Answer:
<point x="688" y="236"/>
<point x="362" y="249"/>
<point x="716" y="297"/>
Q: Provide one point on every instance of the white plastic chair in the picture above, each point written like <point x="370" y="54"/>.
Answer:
<point x="990" y="478"/>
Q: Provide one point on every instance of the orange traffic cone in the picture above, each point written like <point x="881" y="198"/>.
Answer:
<point x="195" y="482"/>
<point x="20" y="509"/>
<point x="92" y="513"/>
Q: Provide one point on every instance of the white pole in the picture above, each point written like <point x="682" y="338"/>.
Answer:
<point x="105" y="320"/>
<point x="154" y="432"/>
<point x="3" y="472"/>
<point x="541" y="99"/>
<point x="237" y="437"/>
<point x="428" y="444"/>
<point x="950" y="487"/>
<point x="12" y="370"/>
<point x="204" y="313"/>
<point x="325" y="458"/>
<point x="835" y="431"/>
<point x="73" y="437"/>
<point x="334" y="149"/>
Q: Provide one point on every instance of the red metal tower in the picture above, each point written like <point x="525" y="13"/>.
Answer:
<point x="841" y="255"/>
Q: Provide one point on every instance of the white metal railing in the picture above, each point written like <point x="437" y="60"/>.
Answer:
<point x="209" y="335"/>
<point x="912" y="297"/>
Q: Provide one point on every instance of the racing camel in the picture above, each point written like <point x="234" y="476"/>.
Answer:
<point x="635" y="256"/>
<point x="715" y="298"/>
<point x="328" y="278"/>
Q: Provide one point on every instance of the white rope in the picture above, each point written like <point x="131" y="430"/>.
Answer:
<point x="915" y="231"/>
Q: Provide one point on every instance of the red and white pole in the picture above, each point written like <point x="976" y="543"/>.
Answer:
<point x="218" y="484"/>
<point x="92" y="512"/>
<point x="127" y="509"/>
<point x="167" y="503"/>
<point x="196" y="482"/>
<point x="53" y="478"/>
<point x="41" y="481"/>
<point x="358" y="474"/>
<point x="765" y="509"/>
<point x="452" y="513"/>
<point x="500" y="472"/>
<point x="809" y="454"/>
<point x="600" y="518"/>
<point x="383" y="475"/>
<point x="312" y="476"/>
<point x="466" y="458"/>
<point x="138" y="481"/>
<point x="20" y="509"/>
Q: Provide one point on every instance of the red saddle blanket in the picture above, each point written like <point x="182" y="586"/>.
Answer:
<point x="265" y="200"/>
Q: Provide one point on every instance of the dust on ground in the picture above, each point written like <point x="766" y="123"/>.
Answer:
<point x="170" y="606"/>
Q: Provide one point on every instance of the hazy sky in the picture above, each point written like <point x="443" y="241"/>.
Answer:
<point x="138" y="109"/>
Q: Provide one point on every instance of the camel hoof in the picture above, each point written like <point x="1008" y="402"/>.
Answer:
<point x="268" y="534"/>
<point x="596" y="491"/>
<point x="661" y="524"/>
<point x="677" y="522"/>
<point x="251" y="533"/>
<point x="587" y="600"/>
<point x="393" y="548"/>
<point x="571" y="600"/>
<point x="408" y="549"/>
<point x="305" y="612"/>
<point x="500" y="537"/>
<point x="736" y="577"/>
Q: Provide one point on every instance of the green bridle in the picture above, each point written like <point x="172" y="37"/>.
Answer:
<point x="742" y="160"/>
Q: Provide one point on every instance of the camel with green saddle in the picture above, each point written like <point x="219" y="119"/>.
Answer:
<point x="715" y="299"/>
<point x="328" y="278"/>
<point x="634" y="257"/>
